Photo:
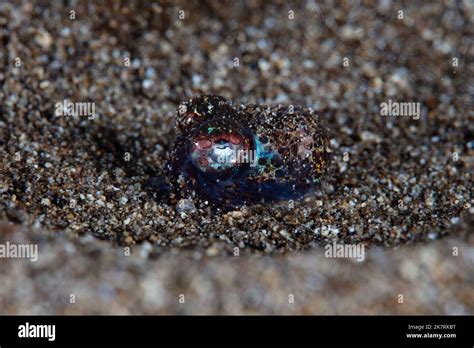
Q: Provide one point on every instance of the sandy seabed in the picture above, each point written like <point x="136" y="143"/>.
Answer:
<point x="81" y="187"/>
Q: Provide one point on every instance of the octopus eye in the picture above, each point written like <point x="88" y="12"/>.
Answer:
<point x="218" y="152"/>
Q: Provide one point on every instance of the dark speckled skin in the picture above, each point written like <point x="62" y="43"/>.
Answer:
<point x="290" y="152"/>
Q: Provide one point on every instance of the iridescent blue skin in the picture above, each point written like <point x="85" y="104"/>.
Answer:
<point x="232" y="155"/>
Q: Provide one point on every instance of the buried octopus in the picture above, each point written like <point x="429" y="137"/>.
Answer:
<point x="233" y="155"/>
